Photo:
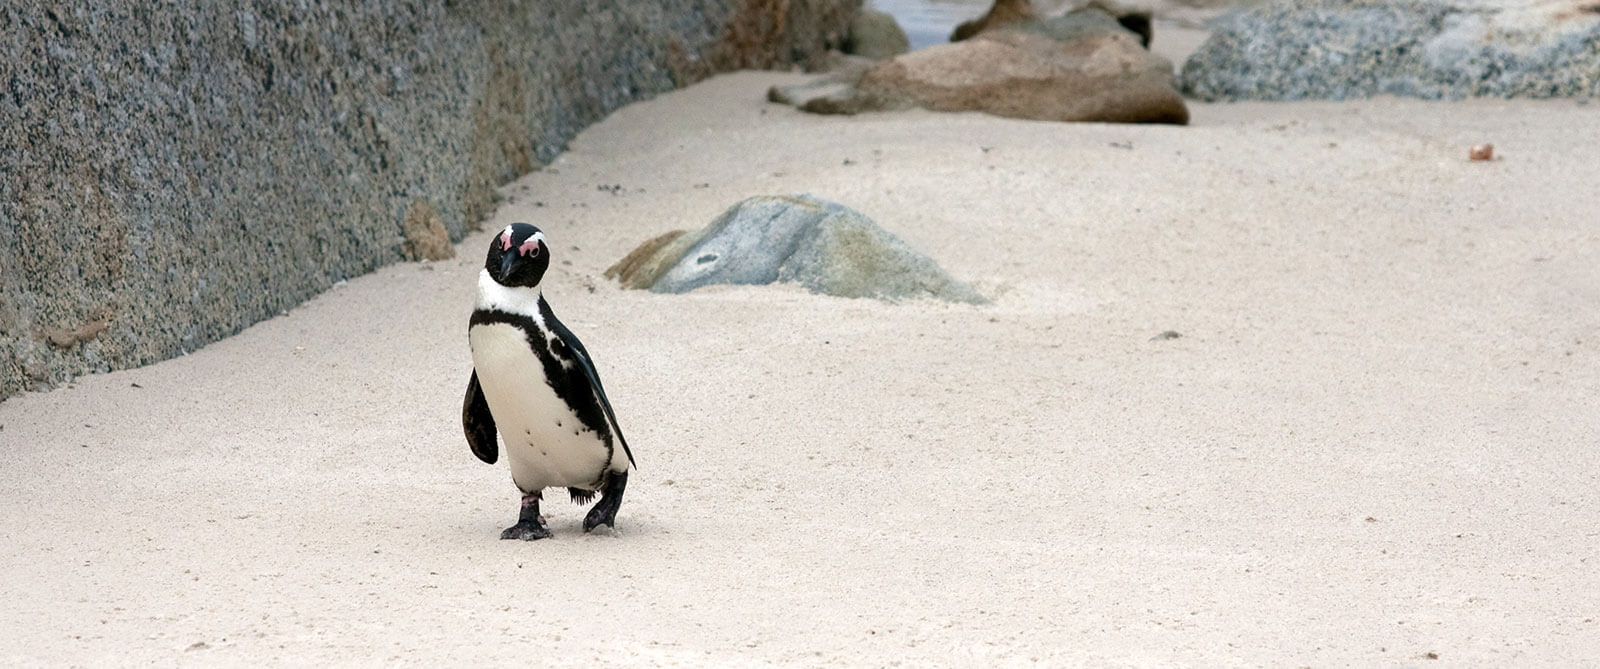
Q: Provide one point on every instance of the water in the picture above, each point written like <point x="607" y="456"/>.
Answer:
<point x="929" y="22"/>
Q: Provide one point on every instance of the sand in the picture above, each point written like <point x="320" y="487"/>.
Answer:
<point x="1374" y="441"/>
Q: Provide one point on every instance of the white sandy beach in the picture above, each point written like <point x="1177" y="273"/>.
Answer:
<point x="1375" y="440"/>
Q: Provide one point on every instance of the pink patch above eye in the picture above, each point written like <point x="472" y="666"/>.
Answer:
<point x="530" y="247"/>
<point x="505" y="241"/>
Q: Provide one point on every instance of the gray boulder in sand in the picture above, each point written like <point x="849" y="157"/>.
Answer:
<point x="824" y="246"/>
<point x="1082" y="66"/>
<point x="875" y="35"/>
<point x="1436" y="49"/>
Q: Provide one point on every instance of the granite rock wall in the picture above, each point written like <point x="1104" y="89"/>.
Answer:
<point x="172" y="172"/>
<point x="1433" y="49"/>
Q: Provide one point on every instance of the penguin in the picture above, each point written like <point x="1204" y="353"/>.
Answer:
<point x="534" y="384"/>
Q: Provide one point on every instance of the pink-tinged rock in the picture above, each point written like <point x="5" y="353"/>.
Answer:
<point x="1080" y="67"/>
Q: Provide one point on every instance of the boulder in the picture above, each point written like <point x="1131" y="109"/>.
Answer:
<point x="875" y="35"/>
<point x="824" y="246"/>
<point x="838" y="83"/>
<point x="1082" y="66"/>
<point x="1436" y="49"/>
<point x="1001" y="14"/>
<point x="647" y="262"/>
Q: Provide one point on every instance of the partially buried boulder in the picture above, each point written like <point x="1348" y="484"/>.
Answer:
<point x="1081" y="66"/>
<point x="1437" y="49"/>
<point x="824" y="246"/>
<point x="875" y="35"/>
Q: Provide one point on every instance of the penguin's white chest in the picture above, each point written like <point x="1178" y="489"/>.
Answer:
<point x="546" y="444"/>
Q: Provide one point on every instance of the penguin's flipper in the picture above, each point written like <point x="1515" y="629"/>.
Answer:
<point x="582" y="355"/>
<point x="600" y="392"/>
<point x="478" y="423"/>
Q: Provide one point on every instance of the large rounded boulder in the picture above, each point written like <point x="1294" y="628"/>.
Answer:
<point x="824" y="246"/>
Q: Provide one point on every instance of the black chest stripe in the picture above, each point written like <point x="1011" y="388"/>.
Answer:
<point x="576" y="383"/>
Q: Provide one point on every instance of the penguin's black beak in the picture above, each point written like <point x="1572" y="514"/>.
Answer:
<point x="506" y="261"/>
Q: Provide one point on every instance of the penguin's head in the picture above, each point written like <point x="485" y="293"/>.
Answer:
<point x="518" y="256"/>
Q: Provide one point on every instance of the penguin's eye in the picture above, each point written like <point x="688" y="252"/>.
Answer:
<point x="529" y="248"/>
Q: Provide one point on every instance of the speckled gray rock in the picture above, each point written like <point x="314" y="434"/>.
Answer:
<point x="1449" y="49"/>
<point x="171" y="173"/>
<point x="824" y="246"/>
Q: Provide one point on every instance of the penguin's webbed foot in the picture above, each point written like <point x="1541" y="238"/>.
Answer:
<point x="525" y="531"/>
<point x="530" y="525"/>
<point x="605" y="512"/>
<point x="600" y="515"/>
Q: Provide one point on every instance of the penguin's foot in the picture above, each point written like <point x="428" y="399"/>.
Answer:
<point x="530" y="525"/>
<point x="601" y="514"/>
<point x="526" y="532"/>
<point x="605" y="512"/>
